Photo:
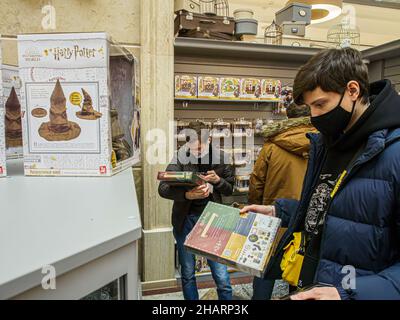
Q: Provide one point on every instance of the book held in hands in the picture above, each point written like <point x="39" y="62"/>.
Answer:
<point x="181" y="178"/>
<point x="243" y="241"/>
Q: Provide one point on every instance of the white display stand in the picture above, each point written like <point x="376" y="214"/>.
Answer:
<point x="86" y="228"/>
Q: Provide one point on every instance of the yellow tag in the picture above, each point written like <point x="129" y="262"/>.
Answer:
<point x="113" y="159"/>
<point x="335" y="189"/>
<point x="75" y="98"/>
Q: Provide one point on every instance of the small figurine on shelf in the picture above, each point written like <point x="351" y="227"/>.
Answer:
<point x="180" y="130"/>
<point x="221" y="129"/>
<point x="242" y="128"/>
<point x="242" y="157"/>
<point x="242" y="183"/>
<point x="258" y="124"/>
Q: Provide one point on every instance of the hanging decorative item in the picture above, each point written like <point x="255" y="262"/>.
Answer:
<point x="214" y="7"/>
<point x="344" y="35"/>
<point x="273" y="34"/>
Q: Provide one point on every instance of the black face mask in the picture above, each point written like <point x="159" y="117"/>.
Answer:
<point x="333" y="123"/>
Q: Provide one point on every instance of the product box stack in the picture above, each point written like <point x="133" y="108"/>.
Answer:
<point x="80" y="105"/>
<point x="3" y="170"/>
<point x="12" y="107"/>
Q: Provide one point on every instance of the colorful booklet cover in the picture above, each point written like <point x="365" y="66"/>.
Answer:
<point x="245" y="242"/>
<point x="181" y="178"/>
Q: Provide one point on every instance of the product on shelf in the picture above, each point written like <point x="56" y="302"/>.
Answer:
<point x="242" y="157"/>
<point x="250" y="88"/>
<point x="230" y="88"/>
<point x="3" y="170"/>
<point x="13" y="124"/>
<point x="221" y="129"/>
<point x="271" y="89"/>
<point x="242" y="128"/>
<point x="180" y="130"/>
<point x="120" y="146"/>
<point x="208" y="87"/>
<point x="258" y="124"/>
<point x="242" y="183"/>
<point x="181" y="178"/>
<point x="195" y="25"/>
<point x="71" y="84"/>
<point x="287" y="96"/>
<point x="245" y="242"/>
<point x="185" y="86"/>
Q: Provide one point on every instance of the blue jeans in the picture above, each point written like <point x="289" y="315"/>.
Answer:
<point x="187" y="261"/>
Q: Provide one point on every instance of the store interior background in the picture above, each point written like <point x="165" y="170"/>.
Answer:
<point x="146" y="28"/>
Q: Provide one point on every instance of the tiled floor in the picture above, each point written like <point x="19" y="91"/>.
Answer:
<point x="240" y="292"/>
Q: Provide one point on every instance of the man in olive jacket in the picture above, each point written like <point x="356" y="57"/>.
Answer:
<point x="198" y="155"/>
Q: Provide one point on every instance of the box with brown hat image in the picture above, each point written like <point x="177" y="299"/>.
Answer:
<point x="3" y="170"/>
<point x="12" y="109"/>
<point x="80" y="104"/>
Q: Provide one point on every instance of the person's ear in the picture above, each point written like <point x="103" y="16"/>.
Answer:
<point x="354" y="90"/>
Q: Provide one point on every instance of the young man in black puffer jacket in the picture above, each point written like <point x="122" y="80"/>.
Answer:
<point x="198" y="155"/>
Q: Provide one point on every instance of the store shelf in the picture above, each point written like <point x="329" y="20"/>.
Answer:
<point x="242" y="50"/>
<point x="382" y="52"/>
<point x="227" y="100"/>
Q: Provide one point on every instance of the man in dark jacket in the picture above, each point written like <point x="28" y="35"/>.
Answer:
<point x="279" y="170"/>
<point x="349" y="209"/>
<point x="198" y="155"/>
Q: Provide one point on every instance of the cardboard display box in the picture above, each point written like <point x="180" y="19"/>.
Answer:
<point x="3" y="170"/>
<point x="185" y="86"/>
<point x="12" y="107"/>
<point x="80" y="105"/>
<point x="245" y="242"/>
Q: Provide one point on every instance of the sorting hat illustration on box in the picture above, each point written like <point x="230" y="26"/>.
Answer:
<point x="120" y="146"/>
<point x="59" y="128"/>
<point x="88" y="112"/>
<point x="13" y="121"/>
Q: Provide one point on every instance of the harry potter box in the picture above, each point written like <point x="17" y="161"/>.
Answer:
<point x="12" y="109"/>
<point x="3" y="170"/>
<point x="80" y="105"/>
